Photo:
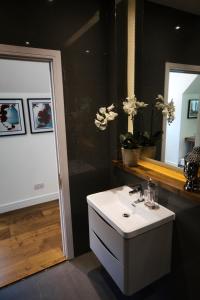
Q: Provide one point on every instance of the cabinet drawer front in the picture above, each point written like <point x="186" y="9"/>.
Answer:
<point x="110" y="263"/>
<point x="109" y="236"/>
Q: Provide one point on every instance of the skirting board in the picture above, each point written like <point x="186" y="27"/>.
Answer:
<point x="28" y="202"/>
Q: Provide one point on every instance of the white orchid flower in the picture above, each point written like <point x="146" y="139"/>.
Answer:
<point x="171" y="104"/>
<point x="101" y="124"/>
<point x="131" y="98"/>
<point x="99" y="117"/>
<point x="97" y="123"/>
<point x="131" y="105"/>
<point x="160" y="98"/>
<point x="111" y="107"/>
<point x="159" y="105"/>
<point x="111" y="115"/>
<point x="127" y="106"/>
<point x="102" y="127"/>
<point x="104" y="122"/>
<point x="168" y="109"/>
<point x="141" y="104"/>
<point x="104" y="116"/>
<point x="165" y="112"/>
<point x="102" y="110"/>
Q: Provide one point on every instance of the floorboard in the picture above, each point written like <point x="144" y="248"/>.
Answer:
<point x="30" y="241"/>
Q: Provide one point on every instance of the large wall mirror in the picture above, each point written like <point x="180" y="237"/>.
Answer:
<point x="167" y="62"/>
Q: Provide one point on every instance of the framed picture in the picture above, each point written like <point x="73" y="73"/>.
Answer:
<point x="12" y="120"/>
<point x="40" y="114"/>
<point x="193" y="108"/>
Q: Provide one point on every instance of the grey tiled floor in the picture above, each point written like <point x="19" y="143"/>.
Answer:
<point x="81" y="279"/>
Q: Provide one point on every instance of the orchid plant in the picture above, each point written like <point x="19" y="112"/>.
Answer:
<point x="106" y="114"/>
<point x="168" y="109"/>
<point x="131" y="106"/>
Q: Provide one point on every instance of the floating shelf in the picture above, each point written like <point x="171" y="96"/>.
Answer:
<point x="167" y="178"/>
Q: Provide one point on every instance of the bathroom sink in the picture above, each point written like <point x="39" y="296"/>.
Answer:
<point x="118" y="209"/>
<point x="132" y="241"/>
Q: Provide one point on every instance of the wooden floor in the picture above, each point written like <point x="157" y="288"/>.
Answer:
<point x="30" y="241"/>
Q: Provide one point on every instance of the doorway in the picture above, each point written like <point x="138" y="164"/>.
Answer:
<point x="35" y="214"/>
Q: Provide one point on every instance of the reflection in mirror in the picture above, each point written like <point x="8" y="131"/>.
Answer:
<point x="183" y="86"/>
<point x="165" y="34"/>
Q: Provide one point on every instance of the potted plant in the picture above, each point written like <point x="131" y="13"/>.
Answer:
<point x="132" y="142"/>
<point x="129" y="146"/>
<point x="130" y="149"/>
<point x="148" y="140"/>
<point x="148" y="143"/>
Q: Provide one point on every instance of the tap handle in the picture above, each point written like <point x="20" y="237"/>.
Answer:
<point x="150" y="184"/>
<point x="137" y="188"/>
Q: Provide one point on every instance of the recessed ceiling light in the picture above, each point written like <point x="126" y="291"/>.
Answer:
<point x="50" y="0"/>
<point x="178" y="27"/>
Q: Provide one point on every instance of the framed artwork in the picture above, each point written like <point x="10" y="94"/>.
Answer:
<point x="193" y="108"/>
<point x="12" y="120"/>
<point x="40" y="114"/>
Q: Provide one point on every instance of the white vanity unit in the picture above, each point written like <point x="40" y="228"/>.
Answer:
<point x="132" y="241"/>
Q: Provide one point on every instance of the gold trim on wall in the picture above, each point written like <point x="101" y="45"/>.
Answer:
<point x="131" y="54"/>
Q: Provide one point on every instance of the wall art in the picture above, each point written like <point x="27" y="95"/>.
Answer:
<point x="40" y="114"/>
<point x="12" y="120"/>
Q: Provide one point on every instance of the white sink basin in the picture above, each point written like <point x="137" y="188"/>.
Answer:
<point x="113" y="204"/>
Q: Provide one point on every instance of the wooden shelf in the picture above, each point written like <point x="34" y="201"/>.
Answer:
<point x="190" y="139"/>
<point x="167" y="178"/>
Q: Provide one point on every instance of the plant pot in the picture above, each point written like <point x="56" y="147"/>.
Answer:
<point x="149" y="152"/>
<point x="130" y="157"/>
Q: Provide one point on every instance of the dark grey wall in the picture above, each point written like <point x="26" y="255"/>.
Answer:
<point x="118" y="74"/>
<point x="157" y="42"/>
<point x="183" y="281"/>
<point x="86" y="88"/>
<point x="86" y="85"/>
<point x="121" y="66"/>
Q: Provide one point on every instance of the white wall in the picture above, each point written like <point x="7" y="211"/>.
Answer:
<point x="178" y="83"/>
<point x="188" y="126"/>
<point x="30" y="159"/>
<point x="197" y="139"/>
<point x="24" y="76"/>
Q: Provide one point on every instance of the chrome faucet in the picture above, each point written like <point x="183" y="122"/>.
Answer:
<point x="137" y="189"/>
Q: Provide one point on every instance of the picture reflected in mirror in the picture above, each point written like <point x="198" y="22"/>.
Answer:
<point x="193" y="108"/>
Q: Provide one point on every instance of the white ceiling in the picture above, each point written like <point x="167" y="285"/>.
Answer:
<point x="192" y="6"/>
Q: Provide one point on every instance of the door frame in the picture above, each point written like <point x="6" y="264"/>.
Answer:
<point x="54" y="58"/>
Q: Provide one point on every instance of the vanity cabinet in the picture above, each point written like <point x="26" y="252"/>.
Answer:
<point x="135" y="262"/>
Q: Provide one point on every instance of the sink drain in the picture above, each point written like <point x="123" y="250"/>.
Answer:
<point x="125" y="215"/>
